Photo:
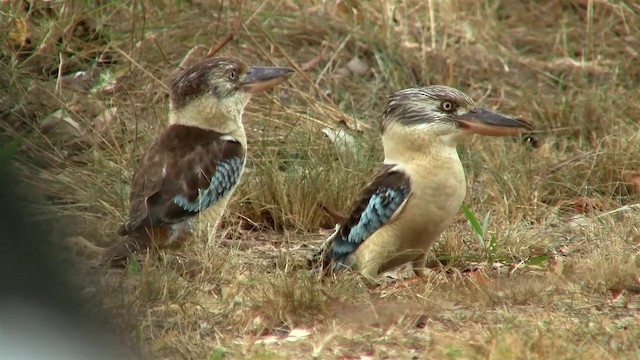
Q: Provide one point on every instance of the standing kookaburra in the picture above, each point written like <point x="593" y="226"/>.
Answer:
<point x="419" y="188"/>
<point x="194" y="165"/>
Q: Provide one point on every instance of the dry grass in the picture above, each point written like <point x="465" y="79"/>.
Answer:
<point x="564" y="213"/>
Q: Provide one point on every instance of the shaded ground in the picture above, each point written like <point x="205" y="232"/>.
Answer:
<point x="562" y="280"/>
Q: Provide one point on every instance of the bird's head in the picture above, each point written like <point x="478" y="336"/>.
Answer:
<point x="216" y="90"/>
<point x="441" y="112"/>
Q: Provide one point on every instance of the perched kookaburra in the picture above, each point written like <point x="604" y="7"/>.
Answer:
<point x="194" y="165"/>
<point x="420" y="187"/>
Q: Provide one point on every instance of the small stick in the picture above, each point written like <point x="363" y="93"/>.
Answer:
<point x="225" y="40"/>
<point x="187" y="58"/>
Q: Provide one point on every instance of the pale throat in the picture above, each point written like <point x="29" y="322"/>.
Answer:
<point x="404" y="144"/>
<point x="223" y="116"/>
<point x="430" y="157"/>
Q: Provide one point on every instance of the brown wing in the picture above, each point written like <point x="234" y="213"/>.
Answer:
<point x="186" y="170"/>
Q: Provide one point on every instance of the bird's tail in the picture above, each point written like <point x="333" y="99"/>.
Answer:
<point x="321" y="261"/>
<point x="134" y="242"/>
<point x="335" y="215"/>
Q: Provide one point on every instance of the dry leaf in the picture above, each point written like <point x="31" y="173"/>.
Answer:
<point x="272" y="339"/>
<point x="79" y="81"/>
<point x="297" y="334"/>
<point x="344" y="143"/>
<point x="357" y="66"/>
<point x="60" y="124"/>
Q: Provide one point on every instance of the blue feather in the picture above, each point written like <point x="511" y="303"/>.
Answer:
<point x="224" y="178"/>
<point x="381" y="207"/>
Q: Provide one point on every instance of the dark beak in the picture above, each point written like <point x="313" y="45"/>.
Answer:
<point x="485" y="122"/>
<point x="260" y="78"/>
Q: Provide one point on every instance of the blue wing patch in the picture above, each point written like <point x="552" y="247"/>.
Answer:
<point x="379" y="210"/>
<point x="223" y="180"/>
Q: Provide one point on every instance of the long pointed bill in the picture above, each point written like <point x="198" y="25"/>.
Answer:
<point x="260" y="78"/>
<point x="485" y="122"/>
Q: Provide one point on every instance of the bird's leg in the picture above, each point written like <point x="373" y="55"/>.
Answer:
<point x="418" y="265"/>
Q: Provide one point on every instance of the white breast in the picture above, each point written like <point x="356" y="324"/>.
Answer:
<point x="438" y="189"/>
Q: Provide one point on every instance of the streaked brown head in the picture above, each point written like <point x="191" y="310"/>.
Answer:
<point x="445" y="110"/>
<point x="222" y="78"/>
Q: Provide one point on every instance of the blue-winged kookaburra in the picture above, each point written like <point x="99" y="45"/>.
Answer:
<point x="420" y="187"/>
<point x="194" y="165"/>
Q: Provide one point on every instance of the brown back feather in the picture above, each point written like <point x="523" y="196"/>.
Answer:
<point x="179" y="162"/>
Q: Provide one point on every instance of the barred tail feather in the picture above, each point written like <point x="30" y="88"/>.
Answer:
<point x="323" y="261"/>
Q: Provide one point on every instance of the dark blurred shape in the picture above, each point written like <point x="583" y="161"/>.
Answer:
<point x="42" y="315"/>
<point x="532" y="139"/>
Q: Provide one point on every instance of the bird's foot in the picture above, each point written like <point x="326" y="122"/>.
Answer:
<point x="404" y="282"/>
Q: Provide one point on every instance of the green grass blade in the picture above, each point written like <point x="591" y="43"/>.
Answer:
<point x="538" y="260"/>
<point x="475" y="225"/>
<point x="485" y="223"/>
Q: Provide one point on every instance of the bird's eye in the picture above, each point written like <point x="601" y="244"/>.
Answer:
<point x="447" y="106"/>
<point x="233" y="74"/>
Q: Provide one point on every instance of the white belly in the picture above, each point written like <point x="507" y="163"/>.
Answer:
<point x="432" y="205"/>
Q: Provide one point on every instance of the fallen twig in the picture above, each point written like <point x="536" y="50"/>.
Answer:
<point x="225" y="40"/>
